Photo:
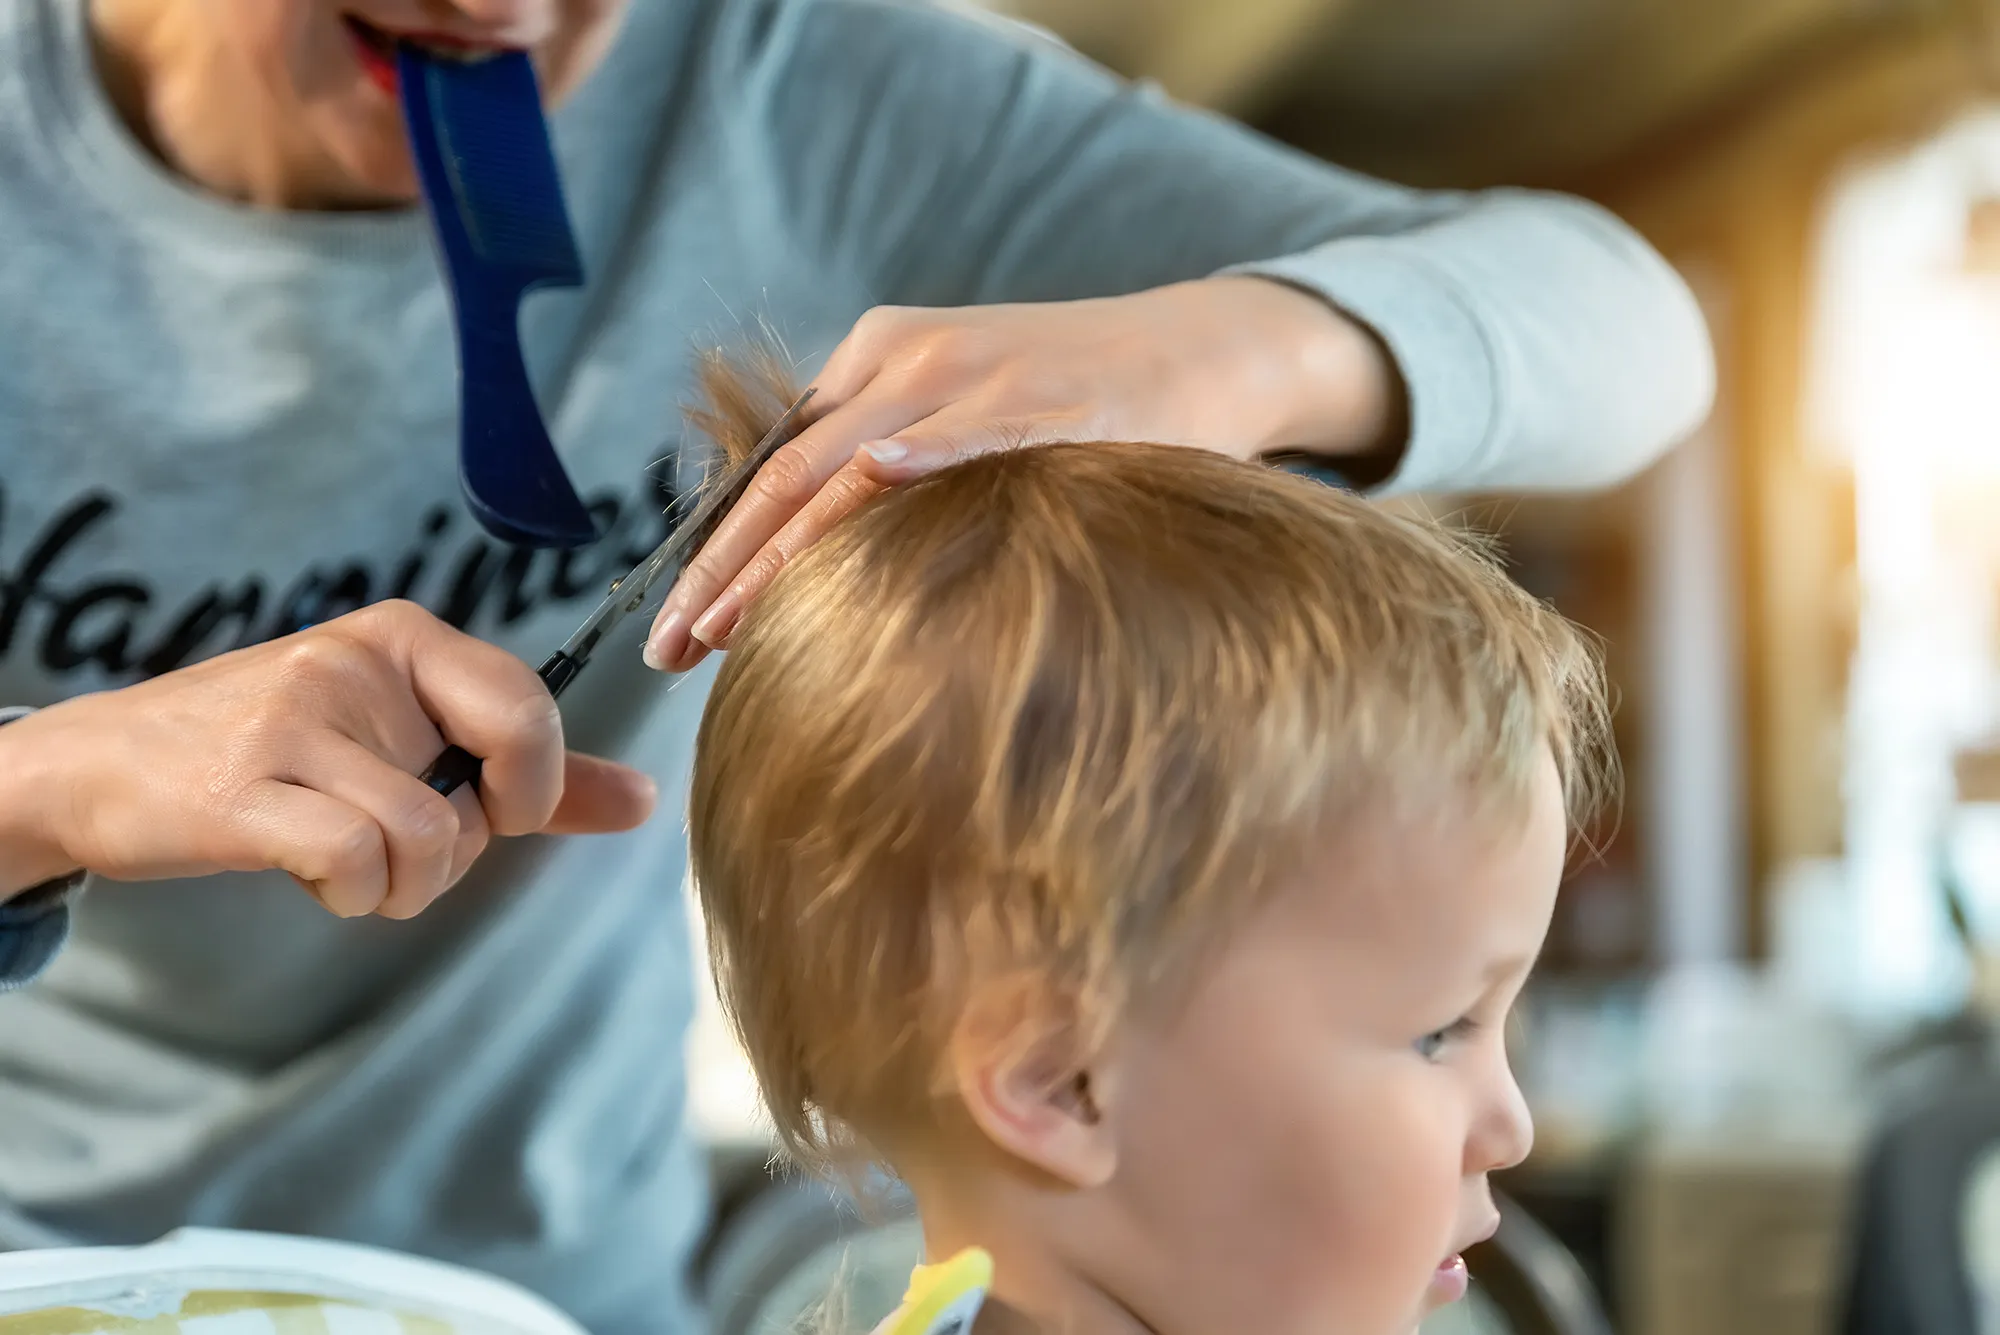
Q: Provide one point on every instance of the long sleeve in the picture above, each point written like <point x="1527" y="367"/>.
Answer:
<point x="35" y="923"/>
<point x="949" y="159"/>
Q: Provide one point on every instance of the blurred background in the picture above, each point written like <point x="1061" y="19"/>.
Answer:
<point x="1758" y="1048"/>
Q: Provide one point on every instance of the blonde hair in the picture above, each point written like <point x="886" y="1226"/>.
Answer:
<point x="1070" y="710"/>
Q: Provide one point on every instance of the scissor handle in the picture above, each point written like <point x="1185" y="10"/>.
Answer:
<point x="455" y="766"/>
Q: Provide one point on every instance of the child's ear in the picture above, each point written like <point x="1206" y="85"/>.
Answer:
<point x="1021" y="1070"/>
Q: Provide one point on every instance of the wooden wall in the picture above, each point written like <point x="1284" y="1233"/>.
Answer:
<point x="1741" y="197"/>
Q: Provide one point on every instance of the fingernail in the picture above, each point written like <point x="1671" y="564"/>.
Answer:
<point x="667" y="642"/>
<point x="717" y="621"/>
<point x="886" y="451"/>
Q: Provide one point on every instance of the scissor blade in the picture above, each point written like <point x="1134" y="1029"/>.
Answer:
<point x="629" y="594"/>
<point x="720" y="497"/>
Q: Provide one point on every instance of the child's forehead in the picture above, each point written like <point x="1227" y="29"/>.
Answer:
<point x="1439" y="894"/>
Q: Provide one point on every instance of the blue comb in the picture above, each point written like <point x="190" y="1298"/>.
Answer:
<point x="496" y="204"/>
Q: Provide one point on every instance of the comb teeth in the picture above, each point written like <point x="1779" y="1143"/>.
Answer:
<point x="495" y="145"/>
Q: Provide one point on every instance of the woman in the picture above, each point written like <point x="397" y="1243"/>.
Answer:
<point x="230" y="398"/>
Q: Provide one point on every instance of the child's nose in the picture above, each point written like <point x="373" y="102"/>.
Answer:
<point x="1504" y="1131"/>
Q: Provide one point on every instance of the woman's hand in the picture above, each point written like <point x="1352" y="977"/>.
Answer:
<point x="302" y="755"/>
<point x="1242" y="365"/>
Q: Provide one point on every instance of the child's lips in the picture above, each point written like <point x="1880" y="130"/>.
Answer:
<point x="1483" y="1233"/>
<point x="1451" y="1281"/>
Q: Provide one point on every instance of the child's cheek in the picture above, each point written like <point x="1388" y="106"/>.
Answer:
<point x="1396" y="1223"/>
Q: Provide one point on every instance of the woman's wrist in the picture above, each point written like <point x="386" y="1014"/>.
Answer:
<point x="29" y="854"/>
<point x="1331" y="386"/>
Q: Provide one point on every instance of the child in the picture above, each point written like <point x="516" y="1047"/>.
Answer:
<point x="1149" y="880"/>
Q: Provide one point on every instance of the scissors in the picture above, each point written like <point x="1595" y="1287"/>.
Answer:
<point x="456" y="766"/>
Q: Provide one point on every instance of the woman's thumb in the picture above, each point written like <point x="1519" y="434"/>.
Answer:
<point x="601" y="796"/>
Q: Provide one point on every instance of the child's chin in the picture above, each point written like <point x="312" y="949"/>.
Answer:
<point x="1449" y="1284"/>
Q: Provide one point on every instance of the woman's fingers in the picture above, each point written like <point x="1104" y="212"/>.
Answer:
<point x="333" y="849"/>
<point x="301" y="755"/>
<point x="944" y="439"/>
<point x="427" y="840"/>
<point x="366" y="837"/>
<point x="491" y="703"/>
<point x="787" y="484"/>
<point x="909" y="391"/>
<point x="935" y="442"/>
<point x="938" y="441"/>
<point x="896" y="367"/>
<point x="842" y="494"/>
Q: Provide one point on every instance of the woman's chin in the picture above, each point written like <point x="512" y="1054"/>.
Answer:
<point x="377" y="169"/>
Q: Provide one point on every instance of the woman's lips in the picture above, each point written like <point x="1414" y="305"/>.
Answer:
<point x="376" y="52"/>
<point x="375" y="49"/>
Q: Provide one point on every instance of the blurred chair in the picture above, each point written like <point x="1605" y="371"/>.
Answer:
<point x="1925" y="1258"/>
<point x="781" y="1251"/>
<point x="1924" y="1253"/>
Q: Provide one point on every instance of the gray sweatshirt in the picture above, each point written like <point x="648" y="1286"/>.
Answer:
<point x="218" y="425"/>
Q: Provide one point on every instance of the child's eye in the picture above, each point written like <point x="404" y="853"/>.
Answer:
<point x="1432" y="1045"/>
